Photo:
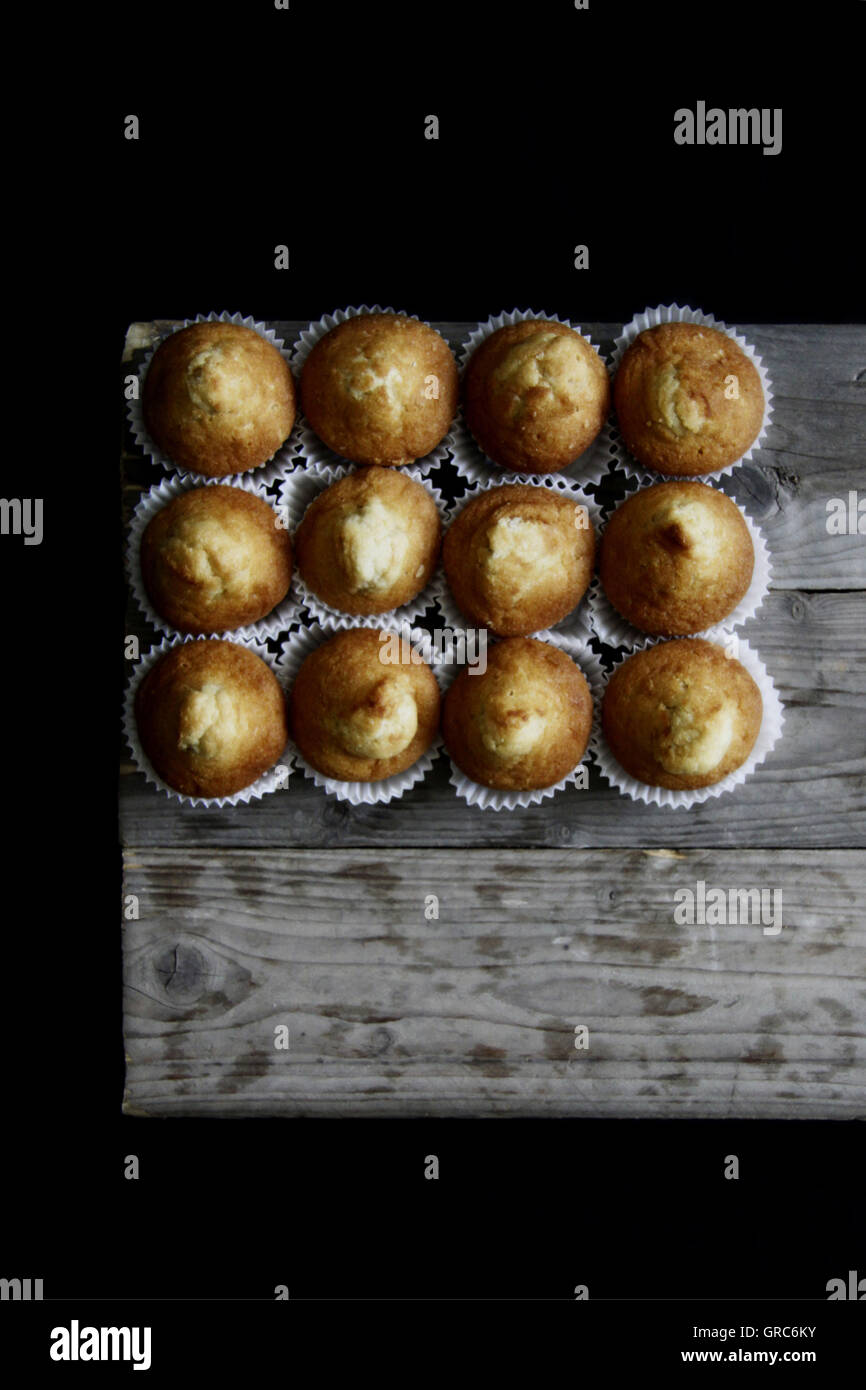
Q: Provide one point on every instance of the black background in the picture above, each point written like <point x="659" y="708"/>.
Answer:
<point x="306" y="127"/>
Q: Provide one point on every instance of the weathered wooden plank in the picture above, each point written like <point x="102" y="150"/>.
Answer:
<point x="474" y="1012"/>
<point x="811" y="790"/>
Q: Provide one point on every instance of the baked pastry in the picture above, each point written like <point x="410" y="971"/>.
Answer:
<point x="380" y="388"/>
<point x="688" y="399"/>
<point x="676" y="558"/>
<point x="522" y="723"/>
<point x="681" y="714"/>
<point x="214" y="559"/>
<point x="519" y="558"/>
<point x="535" y="395"/>
<point x="218" y="398"/>
<point x="357" y="714"/>
<point x="211" y="717"/>
<point x="369" y="542"/>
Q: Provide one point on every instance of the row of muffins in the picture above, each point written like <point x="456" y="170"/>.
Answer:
<point x="365" y="706"/>
<point x="675" y="558"/>
<point x="383" y="389"/>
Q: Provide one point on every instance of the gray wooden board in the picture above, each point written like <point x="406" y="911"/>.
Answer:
<point x="293" y="852"/>
<point x="475" y="1012"/>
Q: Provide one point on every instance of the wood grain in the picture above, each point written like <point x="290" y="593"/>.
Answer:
<point x="474" y="1013"/>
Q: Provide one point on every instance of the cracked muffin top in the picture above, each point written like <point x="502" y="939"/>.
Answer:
<point x="535" y="396"/>
<point x="380" y="389"/>
<point x="681" y="714"/>
<point x="519" y="558"/>
<point x="369" y="542"/>
<point x="218" y="398"/>
<point x="676" y="558"/>
<point x="688" y="399"/>
<point x="360" y="713"/>
<point x="211" y="717"/>
<point x="523" y="722"/>
<point x="214" y="559"/>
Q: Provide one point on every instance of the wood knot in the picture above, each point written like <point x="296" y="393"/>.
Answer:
<point x="182" y="972"/>
<point x="787" y="480"/>
<point x="382" y="1040"/>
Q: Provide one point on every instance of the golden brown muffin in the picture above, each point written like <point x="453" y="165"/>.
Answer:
<point x="519" y="558"/>
<point x="676" y="558"/>
<point x="535" y="396"/>
<point x="380" y="388"/>
<point x="358" y="716"/>
<point x="681" y="714"/>
<point x="369" y="542"/>
<point x="523" y="723"/>
<point x="218" y="398"/>
<point x="214" y="559"/>
<point x="211" y="717"/>
<point x="688" y="399"/>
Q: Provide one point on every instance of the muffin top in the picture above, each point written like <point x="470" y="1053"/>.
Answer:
<point x="364" y="706"/>
<point x="676" y="558"/>
<point x="519" y="558"/>
<point x="535" y="395"/>
<point x="380" y="389"/>
<point x="211" y="717"/>
<point x="522" y="723"/>
<point x="681" y="714"/>
<point x="369" y="542"/>
<point x="218" y="398"/>
<point x="214" y="559"/>
<point x="688" y="399"/>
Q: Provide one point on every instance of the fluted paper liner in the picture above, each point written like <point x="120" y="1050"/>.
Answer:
<point x="314" y="450"/>
<point x="271" y="625"/>
<point x="495" y="799"/>
<point x="293" y="653"/>
<point x="296" y="492"/>
<point x="617" y="631"/>
<point x="773" y="718"/>
<point x="272" y="780"/>
<point x="470" y="459"/>
<point x="672" y="313"/>
<point x="577" y="623"/>
<point x="264" y="473"/>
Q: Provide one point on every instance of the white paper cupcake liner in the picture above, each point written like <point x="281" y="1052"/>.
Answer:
<point x="314" y="451"/>
<point x="296" y="492"/>
<point x="578" y="623"/>
<point x="672" y="313"/>
<point x="469" y="458"/>
<point x="266" y="473"/>
<point x="768" y="736"/>
<point x="616" y="631"/>
<point x="275" y="622"/>
<point x="494" y="799"/>
<point x="272" y="780"/>
<point x="293" y="653"/>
